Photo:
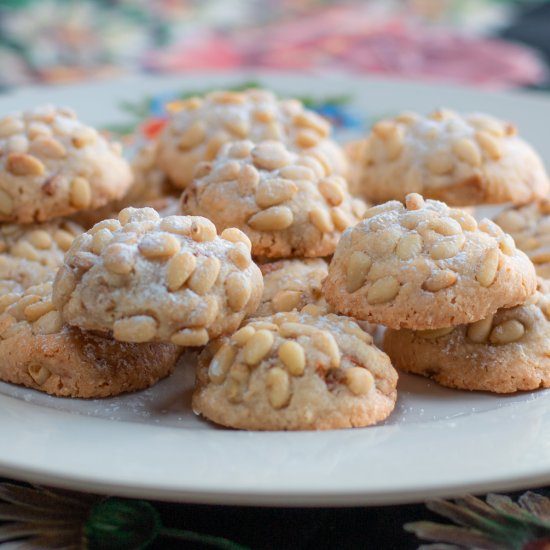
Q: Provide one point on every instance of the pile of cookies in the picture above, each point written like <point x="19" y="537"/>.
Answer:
<point x="53" y="166"/>
<point x="271" y="264"/>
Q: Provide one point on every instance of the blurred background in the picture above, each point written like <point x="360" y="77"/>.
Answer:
<point x="486" y="43"/>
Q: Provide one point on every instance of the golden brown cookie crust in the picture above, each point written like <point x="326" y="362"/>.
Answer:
<point x="426" y="266"/>
<point x="462" y="160"/>
<point x="289" y="205"/>
<point x="52" y="165"/>
<point x="39" y="352"/>
<point x="504" y="353"/>
<point x="295" y="371"/>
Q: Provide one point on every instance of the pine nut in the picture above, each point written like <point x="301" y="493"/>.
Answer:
<point x="383" y="290"/>
<point x="479" y="331"/>
<point x="445" y="226"/>
<point x="286" y="300"/>
<point x="467" y="222"/>
<point x="293" y="357"/>
<point x="40" y="239"/>
<point x="321" y="220"/>
<point x="409" y="246"/>
<point x="48" y="147"/>
<point x="258" y="347"/>
<point x="24" y="249"/>
<point x="466" y="150"/>
<point x="487" y="270"/>
<point x="205" y="275"/>
<point x="308" y="119"/>
<point x="139" y="328"/>
<point x="80" y="193"/>
<point x="439" y="280"/>
<point x="100" y="240"/>
<point x="340" y="219"/>
<point x="234" y="235"/>
<point x="39" y="374"/>
<point x="64" y="284"/>
<point x="192" y="136"/>
<point x="238" y="290"/>
<point x="295" y="172"/>
<point x="359" y="380"/>
<point x="64" y="239"/>
<point x="159" y="245"/>
<point x="238" y="127"/>
<point x="21" y="164"/>
<point x="440" y="163"/>
<point x="248" y="179"/>
<point x="332" y="192"/>
<point x="490" y="146"/>
<point x="202" y="230"/>
<point x="243" y="335"/>
<point x="448" y="247"/>
<point x="33" y="312"/>
<point x="275" y="218"/>
<point x="219" y="366"/>
<point x="179" y="269"/>
<point x="507" y="245"/>
<point x="278" y="387"/>
<point x="307" y="138"/>
<point x="293" y="330"/>
<point x="381" y="208"/>
<point x="118" y="258"/>
<point x="270" y="155"/>
<point x="324" y="341"/>
<point x="83" y="137"/>
<point x="6" y="203"/>
<point x="274" y="191"/>
<point x="358" y="267"/>
<point x="507" y="332"/>
<point x="191" y="337"/>
<point x="240" y="255"/>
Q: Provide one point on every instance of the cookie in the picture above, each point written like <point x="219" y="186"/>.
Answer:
<point x="291" y="284"/>
<point x="503" y="353"/>
<point x="462" y="160"/>
<point x="145" y="279"/>
<point x="289" y="205"/>
<point x="52" y="165"/>
<point x="201" y="126"/>
<point x="39" y="352"/>
<point x="31" y="254"/>
<point x="426" y="266"/>
<point x="295" y="371"/>
<point x="529" y="226"/>
<point x="150" y="188"/>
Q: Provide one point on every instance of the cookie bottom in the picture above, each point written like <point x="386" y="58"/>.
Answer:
<point x="72" y="363"/>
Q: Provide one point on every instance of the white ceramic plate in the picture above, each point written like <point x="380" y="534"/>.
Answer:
<point x="150" y="444"/>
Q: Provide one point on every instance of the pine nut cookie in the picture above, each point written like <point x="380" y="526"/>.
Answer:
<point x="147" y="279"/>
<point x="150" y="188"/>
<point x="503" y="353"/>
<point x="289" y="205"/>
<point x="40" y="352"/>
<point x="202" y="125"/>
<point x="291" y="284"/>
<point x="462" y="160"/>
<point x="31" y="254"/>
<point x="426" y="266"/>
<point x="52" y="165"/>
<point x="529" y="225"/>
<point x="295" y="371"/>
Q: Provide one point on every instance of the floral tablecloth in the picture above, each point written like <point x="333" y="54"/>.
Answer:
<point x="452" y="40"/>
